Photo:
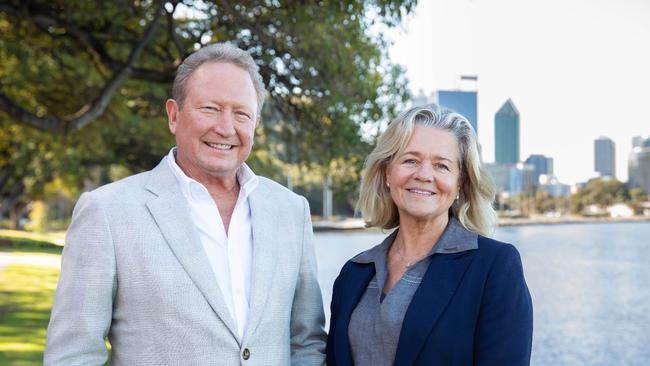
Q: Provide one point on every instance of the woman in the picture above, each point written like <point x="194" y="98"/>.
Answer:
<point x="436" y="291"/>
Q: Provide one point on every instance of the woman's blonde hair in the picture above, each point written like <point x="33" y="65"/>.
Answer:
<point x="473" y="208"/>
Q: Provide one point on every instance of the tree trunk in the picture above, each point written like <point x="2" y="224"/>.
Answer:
<point x="14" y="216"/>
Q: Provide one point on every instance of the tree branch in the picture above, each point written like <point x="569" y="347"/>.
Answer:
<point x="94" y="110"/>
<point x="91" y="113"/>
<point x="51" y="124"/>
<point x="171" y="28"/>
<point x="93" y="46"/>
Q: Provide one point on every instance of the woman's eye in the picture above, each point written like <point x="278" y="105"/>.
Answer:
<point x="410" y="161"/>
<point x="442" y="166"/>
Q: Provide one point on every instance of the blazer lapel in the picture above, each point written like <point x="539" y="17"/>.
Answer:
<point x="171" y="213"/>
<point x="353" y="284"/>
<point x="429" y="301"/>
<point x="264" y="253"/>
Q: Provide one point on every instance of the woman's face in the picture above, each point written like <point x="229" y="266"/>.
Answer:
<point x="424" y="179"/>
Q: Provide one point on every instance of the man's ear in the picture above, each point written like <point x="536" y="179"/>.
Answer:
<point x="172" y="115"/>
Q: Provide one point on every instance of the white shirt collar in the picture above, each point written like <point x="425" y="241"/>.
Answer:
<point x="248" y="181"/>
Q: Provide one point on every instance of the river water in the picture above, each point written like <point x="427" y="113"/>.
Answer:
<point x="590" y="285"/>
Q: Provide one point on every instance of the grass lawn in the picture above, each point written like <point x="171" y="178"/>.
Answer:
<point x="26" y="293"/>
<point x="27" y="283"/>
<point x="22" y="241"/>
<point x="28" y="276"/>
<point x="19" y="236"/>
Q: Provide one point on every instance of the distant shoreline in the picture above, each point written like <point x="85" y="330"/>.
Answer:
<point x="357" y="224"/>
<point x="568" y="220"/>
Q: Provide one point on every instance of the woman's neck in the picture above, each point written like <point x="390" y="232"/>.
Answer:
<point x="416" y="238"/>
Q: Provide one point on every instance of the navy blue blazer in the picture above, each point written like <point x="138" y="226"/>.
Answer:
<point x="472" y="308"/>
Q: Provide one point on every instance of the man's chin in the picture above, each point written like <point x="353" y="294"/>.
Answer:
<point x="221" y="170"/>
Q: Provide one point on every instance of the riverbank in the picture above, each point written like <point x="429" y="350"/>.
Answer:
<point x="544" y="220"/>
<point x="352" y="223"/>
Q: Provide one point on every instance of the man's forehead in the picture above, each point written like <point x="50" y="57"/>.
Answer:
<point x="218" y="65"/>
<point x="227" y="72"/>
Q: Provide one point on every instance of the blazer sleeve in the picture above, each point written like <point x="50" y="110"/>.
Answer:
<point x="307" y="317"/>
<point x="505" y="323"/>
<point x="82" y="309"/>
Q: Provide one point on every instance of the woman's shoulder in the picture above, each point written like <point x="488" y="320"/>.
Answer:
<point x="373" y="254"/>
<point x="494" y="251"/>
<point x="368" y="256"/>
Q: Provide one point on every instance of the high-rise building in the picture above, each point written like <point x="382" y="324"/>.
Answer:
<point x="506" y="134"/>
<point x="463" y="102"/>
<point x="552" y="185"/>
<point x="521" y="178"/>
<point x="638" y="166"/>
<point x="541" y="165"/>
<point x="549" y="165"/>
<point x="500" y="175"/>
<point x="605" y="157"/>
<point x="511" y="178"/>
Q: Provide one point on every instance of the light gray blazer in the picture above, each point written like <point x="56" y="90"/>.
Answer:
<point x="134" y="271"/>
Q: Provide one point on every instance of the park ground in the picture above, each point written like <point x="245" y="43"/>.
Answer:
<point x="29" y="270"/>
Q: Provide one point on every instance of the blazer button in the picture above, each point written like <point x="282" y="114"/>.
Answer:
<point x="247" y="354"/>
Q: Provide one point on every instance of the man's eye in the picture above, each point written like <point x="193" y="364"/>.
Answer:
<point x="243" y="114"/>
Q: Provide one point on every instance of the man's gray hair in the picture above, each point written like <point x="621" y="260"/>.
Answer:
<point x="218" y="52"/>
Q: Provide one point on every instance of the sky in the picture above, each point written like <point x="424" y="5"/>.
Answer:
<point x="575" y="69"/>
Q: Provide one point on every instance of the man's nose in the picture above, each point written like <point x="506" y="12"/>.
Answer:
<point x="225" y="124"/>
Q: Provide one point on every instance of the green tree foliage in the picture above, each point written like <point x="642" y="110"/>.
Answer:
<point x="601" y="192"/>
<point x="637" y="197"/>
<point x="83" y="82"/>
<point x="544" y="202"/>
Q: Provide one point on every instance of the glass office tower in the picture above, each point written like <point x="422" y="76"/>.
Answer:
<point x="506" y="134"/>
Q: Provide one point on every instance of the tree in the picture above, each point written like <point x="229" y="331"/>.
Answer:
<point x="326" y="74"/>
<point x="544" y="202"/>
<point x="601" y="192"/>
<point x="637" y="197"/>
<point x="30" y="159"/>
<point x="103" y="69"/>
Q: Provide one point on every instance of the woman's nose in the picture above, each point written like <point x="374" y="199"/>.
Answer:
<point x="425" y="172"/>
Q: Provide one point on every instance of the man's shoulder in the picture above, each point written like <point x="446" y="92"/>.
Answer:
<point x="268" y="186"/>
<point x="122" y="189"/>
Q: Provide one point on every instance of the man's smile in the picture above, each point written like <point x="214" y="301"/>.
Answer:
<point x="219" y="146"/>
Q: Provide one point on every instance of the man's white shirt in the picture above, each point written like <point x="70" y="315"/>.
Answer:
<point x="230" y="253"/>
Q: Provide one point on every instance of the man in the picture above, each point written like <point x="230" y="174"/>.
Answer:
<point x="198" y="261"/>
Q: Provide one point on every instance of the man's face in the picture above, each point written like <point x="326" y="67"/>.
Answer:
<point x="215" y="126"/>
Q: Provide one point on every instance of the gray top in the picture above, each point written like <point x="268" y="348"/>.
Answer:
<point x="376" y="322"/>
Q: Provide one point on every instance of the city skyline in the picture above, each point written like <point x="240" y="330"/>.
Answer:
<point x="575" y="69"/>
